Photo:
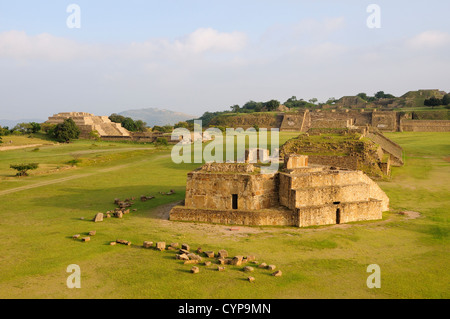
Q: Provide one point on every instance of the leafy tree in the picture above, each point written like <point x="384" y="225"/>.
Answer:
<point x="382" y="95"/>
<point x="252" y="105"/>
<point x="187" y="125"/>
<point x="66" y="131"/>
<point x="22" y="128"/>
<point x="23" y="169"/>
<point x="446" y="99"/>
<point x="4" y="131"/>
<point x="313" y="101"/>
<point x="128" y="123"/>
<point x="35" y="127"/>
<point x="272" y="105"/>
<point x="47" y="128"/>
<point x="433" y="101"/>
<point x="116" y="118"/>
<point x="141" y="126"/>
<point x="331" y="100"/>
<point x="363" y="96"/>
<point x="182" y="125"/>
<point x="235" y="108"/>
<point x="163" y="129"/>
<point x="1" y="140"/>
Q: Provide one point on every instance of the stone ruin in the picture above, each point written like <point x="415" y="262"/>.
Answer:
<point x="301" y="194"/>
<point x="87" y="123"/>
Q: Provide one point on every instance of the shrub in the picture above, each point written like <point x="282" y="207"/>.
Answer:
<point x="94" y="135"/>
<point x="74" y="162"/>
<point x="4" y="131"/>
<point x="161" y="141"/>
<point x="22" y="169"/>
<point x="66" y="131"/>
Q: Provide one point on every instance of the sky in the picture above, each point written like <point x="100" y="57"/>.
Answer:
<point x="196" y="56"/>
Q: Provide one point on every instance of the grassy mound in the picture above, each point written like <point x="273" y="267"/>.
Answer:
<point x="338" y="145"/>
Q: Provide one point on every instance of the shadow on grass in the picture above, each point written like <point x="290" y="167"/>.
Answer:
<point x="89" y="202"/>
<point x="185" y="271"/>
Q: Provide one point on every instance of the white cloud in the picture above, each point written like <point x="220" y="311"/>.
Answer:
<point x="20" y="46"/>
<point x="429" y="40"/>
<point x="319" y="28"/>
<point x="208" y="39"/>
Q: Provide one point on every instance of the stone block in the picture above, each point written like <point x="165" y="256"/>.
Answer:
<point x="98" y="218"/>
<point x="222" y="254"/>
<point x="147" y="244"/>
<point x="161" y="246"/>
<point x="195" y="270"/>
<point x="277" y="273"/>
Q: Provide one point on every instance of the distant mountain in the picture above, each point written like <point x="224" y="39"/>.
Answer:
<point x="153" y="116"/>
<point x="12" y="123"/>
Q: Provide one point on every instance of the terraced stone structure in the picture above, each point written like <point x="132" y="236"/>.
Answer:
<point x="87" y="123"/>
<point x="299" y="195"/>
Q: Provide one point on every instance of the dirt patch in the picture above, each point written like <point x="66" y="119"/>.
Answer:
<point x="10" y="148"/>
<point x="447" y="159"/>
<point x="163" y="211"/>
<point x="410" y="214"/>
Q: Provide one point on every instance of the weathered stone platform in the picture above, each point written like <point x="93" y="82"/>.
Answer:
<point x="87" y="123"/>
<point x="301" y="195"/>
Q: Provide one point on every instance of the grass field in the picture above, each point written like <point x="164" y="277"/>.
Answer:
<point x="38" y="221"/>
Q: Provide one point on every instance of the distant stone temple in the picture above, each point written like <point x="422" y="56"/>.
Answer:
<point x="299" y="195"/>
<point x="87" y="123"/>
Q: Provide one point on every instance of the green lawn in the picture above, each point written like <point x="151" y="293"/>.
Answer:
<point x="321" y="262"/>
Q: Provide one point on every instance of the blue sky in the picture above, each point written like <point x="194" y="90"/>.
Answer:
<point x="197" y="56"/>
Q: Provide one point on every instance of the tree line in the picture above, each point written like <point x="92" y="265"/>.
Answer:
<point x="434" y="101"/>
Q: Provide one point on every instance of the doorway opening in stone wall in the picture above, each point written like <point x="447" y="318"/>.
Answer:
<point x="235" y="201"/>
<point x="338" y="216"/>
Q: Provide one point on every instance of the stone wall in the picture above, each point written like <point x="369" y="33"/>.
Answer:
<point x="323" y="195"/>
<point x="348" y="212"/>
<point x="424" y="126"/>
<point x="215" y="191"/>
<point x="275" y="217"/>
<point x="375" y="192"/>
<point x="332" y="123"/>
<point x="358" y="118"/>
<point x="388" y="146"/>
<point x="385" y="121"/>
<point x="293" y="122"/>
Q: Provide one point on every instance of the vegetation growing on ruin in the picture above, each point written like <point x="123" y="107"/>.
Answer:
<point x="337" y="145"/>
